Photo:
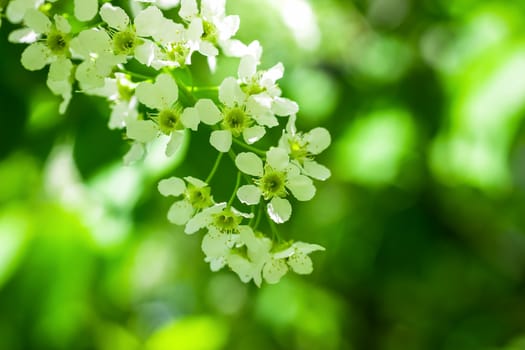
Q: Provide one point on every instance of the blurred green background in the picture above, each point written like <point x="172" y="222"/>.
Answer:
<point x="423" y="219"/>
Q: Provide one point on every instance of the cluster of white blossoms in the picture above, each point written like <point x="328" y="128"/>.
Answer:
<point x="90" y="51"/>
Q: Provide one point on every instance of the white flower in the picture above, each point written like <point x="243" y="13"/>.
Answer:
<point x="55" y="44"/>
<point x="120" y="91"/>
<point x="262" y="260"/>
<point x="95" y="47"/>
<point x="196" y="197"/>
<point x="258" y="262"/>
<point x="130" y="40"/>
<point x="238" y="115"/>
<point x="273" y="180"/>
<point x="59" y="81"/>
<point x="217" y="246"/>
<point x="262" y="85"/>
<point x="302" y="147"/>
<point x="297" y="256"/>
<point x="170" y="119"/>
<point x="217" y="27"/>
<point x="220" y="216"/>
<point x="53" y="50"/>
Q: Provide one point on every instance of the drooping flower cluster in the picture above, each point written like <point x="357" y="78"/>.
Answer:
<point x="94" y="58"/>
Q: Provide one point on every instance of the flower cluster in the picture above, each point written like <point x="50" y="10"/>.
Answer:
<point x="90" y="51"/>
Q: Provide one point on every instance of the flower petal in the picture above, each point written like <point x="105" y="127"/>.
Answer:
<point x="249" y="163"/>
<point x="135" y="153"/>
<point x="188" y="9"/>
<point x="141" y="130"/>
<point x="147" y="21"/>
<point x="316" y="170"/>
<point x="279" y="210"/>
<point x="62" y="24"/>
<point x="301" y="187"/>
<point x="91" y="41"/>
<point x="23" y="36"/>
<point x="35" y="56"/>
<point x="253" y="134"/>
<point x="37" y="21"/>
<point x="274" y="270"/>
<point x="208" y="111"/>
<point x="318" y="140"/>
<point x="174" y="143"/>
<point x="180" y="212"/>
<point x="247" y="67"/>
<point x="203" y="218"/>
<point x="242" y="267"/>
<point x="190" y="118"/>
<point x="85" y="10"/>
<point x="249" y="194"/>
<point x="277" y="158"/>
<point x="172" y="186"/>
<point x="195" y="182"/>
<point x="273" y="74"/>
<point x="282" y="106"/>
<point x="230" y="93"/>
<point x="208" y="49"/>
<point x="301" y="263"/>
<point x="114" y="16"/>
<point x="221" y="140"/>
<point x="160" y="95"/>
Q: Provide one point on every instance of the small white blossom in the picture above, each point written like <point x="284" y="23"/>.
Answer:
<point x="217" y="28"/>
<point x="95" y="47"/>
<point x="302" y="147"/>
<point x="170" y="119"/>
<point x="131" y="40"/>
<point x="217" y="246"/>
<point x="262" y="86"/>
<point x="259" y="262"/>
<point x="273" y="180"/>
<point x="220" y="216"/>
<point x="239" y="115"/>
<point x="196" y="197"/>
<point x="120" y="91"/>
<point x="53" y="50"/>
<point x="297" y="256"/>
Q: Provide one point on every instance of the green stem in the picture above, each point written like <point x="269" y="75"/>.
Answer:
<point x="259" y="215"/>
<point x="190" y="74"/>
<point x="250" y="148"/>
<point x="273" y="228"/>
<point x="136" y="75"/>
<point x="237" y="184"/>
<point x="215" y="167"/>
<point x="205" y="88"/>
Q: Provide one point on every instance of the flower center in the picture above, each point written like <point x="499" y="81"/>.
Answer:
<point x="226" y="221"/>
<point x="272" y="184"/>
<point x="57" y="43"/>
<point x="125" y="92"/>
<point x="199" y="197"/>
<point x="210" y="32"/>
<point x="124" y="42"/>
<point x="169" y="120"/>
<point x="298" y="149"/>
<point x="179" y="53"/>
<point x="253" y="88"/>
<point x="236" y="120"/>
